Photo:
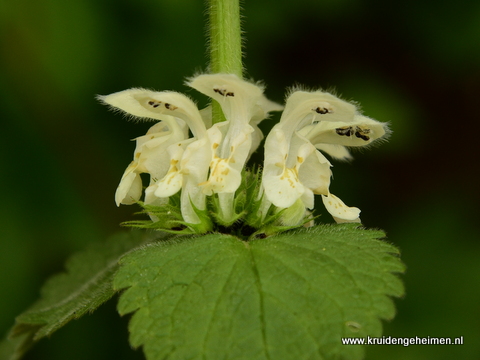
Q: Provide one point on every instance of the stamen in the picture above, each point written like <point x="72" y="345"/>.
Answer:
<point x="323" y="110"/>
<point x="345" y="131"/>
<point x="154" y="103"/>
<point x="224" y="92"/>
<point x="171" y="107"/>
<point x="361" y="133"/>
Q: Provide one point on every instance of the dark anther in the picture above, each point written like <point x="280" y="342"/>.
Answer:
<point x="223" y="92"/>
<point x="219" y="91"/>
<point x="345" y="131"/>
<point x="322" y="111"/>
<point x="361" y="133"/>
<point x="153" y="103"/>
<point x="358" y="134"/>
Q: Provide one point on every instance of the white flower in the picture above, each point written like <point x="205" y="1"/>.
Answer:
<point x="161" y="152"/>
<point x="209" y="162"/>
<point x="185" y="152"/>
<point x="294" y="169"/>
<point x="235" y="139"/>
<point x="149" y="147"/>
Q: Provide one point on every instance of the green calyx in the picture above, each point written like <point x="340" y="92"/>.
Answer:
<point x="248" y="216"/>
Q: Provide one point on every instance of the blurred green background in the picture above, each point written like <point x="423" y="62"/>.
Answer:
<point x="413" y="63"/>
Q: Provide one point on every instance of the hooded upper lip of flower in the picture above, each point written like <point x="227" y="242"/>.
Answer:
<point x="294" y="168"/>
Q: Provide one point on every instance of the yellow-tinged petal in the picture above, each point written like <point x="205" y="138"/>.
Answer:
<point x="130" y="188"/>
<point x="340" y="211"/>
<point x="171" y="183"/>
<point x="151" y="151"/>
<point x="315" y="173"/>
<point x="223" y="178"/>
<point x="283" y="190"/>
<point x="276" y="150"/>
<point x="194" y="166"/>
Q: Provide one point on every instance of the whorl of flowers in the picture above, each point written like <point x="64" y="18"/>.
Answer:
<point x="198" y="181"/>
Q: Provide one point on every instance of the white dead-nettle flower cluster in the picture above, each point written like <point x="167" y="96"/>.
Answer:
<point x="211" y="159"/>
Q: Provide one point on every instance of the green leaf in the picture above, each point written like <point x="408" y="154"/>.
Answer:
<point x="86" y="284"/>
<point x="13" y="349"/>
<point x="289" y="296"/>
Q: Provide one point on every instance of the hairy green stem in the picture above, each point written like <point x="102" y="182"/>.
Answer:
<point x="225" y="37"/>
<point x="225" y="43"/>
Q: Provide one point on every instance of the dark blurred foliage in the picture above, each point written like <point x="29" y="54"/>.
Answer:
<point x="412" y="63"/>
